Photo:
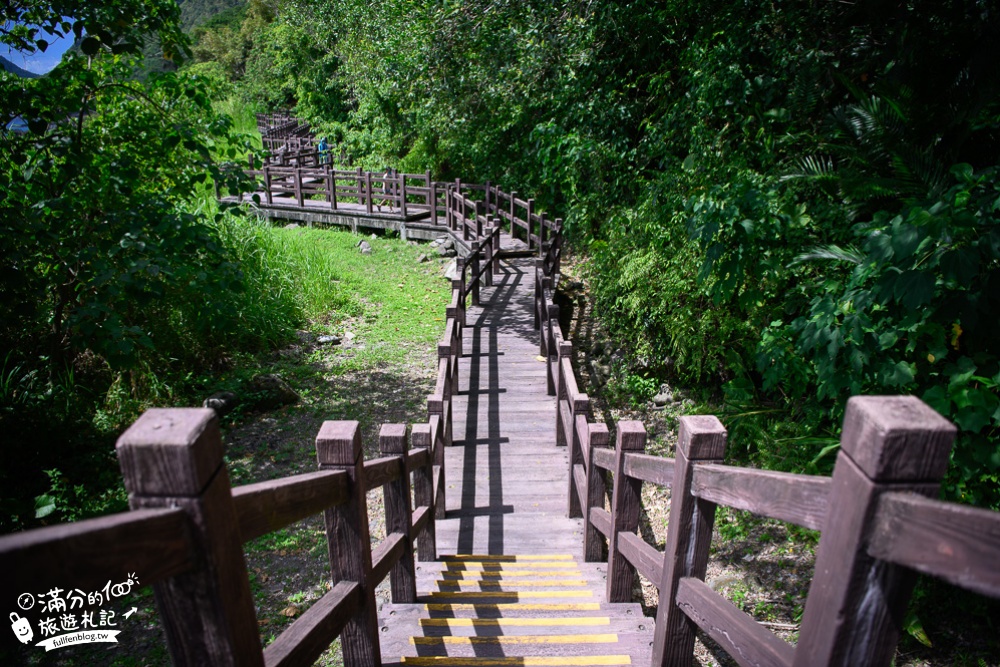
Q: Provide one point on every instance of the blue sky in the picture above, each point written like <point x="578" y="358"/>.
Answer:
<point x="39" y="62"/>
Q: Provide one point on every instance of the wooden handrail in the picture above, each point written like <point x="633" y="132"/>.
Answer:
<point x="893" y="454"/>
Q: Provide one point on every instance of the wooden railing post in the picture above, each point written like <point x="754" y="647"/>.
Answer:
<point x="486" y="199"/>
<point x="578" y="408"/>
<point x="557" y="247"/>
<point x="542" y="234"/>
<point x="331" y="186"/>
<point x="267" y="186"/>
<point x="423" y="489"/>
<point x="432" y="199"/>
<point x="625" y="505"/>
<point x="402" y="194"/>
<point x="856" y="604"/>
<point x="513" y="216"/>
<point x="399" y="514"/>
<point x="361" y="188"/>
<point x="475" y="271"/>
<point x="700" y="439"/>
<point x="495" y="269"/>
<point x="338" y="447"/>
<point x="488" y="252"/>
<point x="527" y="219"/>
<point x="593" y="539"/>
<point x="368" y="191"/>
<point x="458" y="198"/>
<point x="173" y="458"/>
<point x="299" y="197"/>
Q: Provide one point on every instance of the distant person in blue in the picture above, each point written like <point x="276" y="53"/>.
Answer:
<point x="324" y="151"/>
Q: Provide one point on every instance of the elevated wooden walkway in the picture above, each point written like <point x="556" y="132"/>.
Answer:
<point x="512" y="587"/>
<point x="501" y="545"/>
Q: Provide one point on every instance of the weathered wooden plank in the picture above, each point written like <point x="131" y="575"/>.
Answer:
<point x="156" y="542"/>
<point x="749" y="643"/>
<point x="626" y="504"/>
<point x="398" y="513"/>
<point x="601" y="520"/>
<point x="855" y="602"/>
<point x="173" y="458"/>
<point x="381" y="471"/>
<point x="312" y="633"/>
<point x="421" y="515"/>
<point x="267" y="506"/>
<point x="604" y="458"/>
<point x="645" y="557"/>
<point x="798" y="499"/>
<point x="655" y="469"/>
<point x="956" y="543"/>
<point x="689" y="535"/>
<point x="417" y="458"/>
<point x="580" y="477"/>
<point x="385" y="555"/>
<point x="338" y="447"/>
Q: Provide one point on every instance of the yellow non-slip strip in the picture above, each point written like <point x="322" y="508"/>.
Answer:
<point x="511" y="576"/>
<point x="504" y="559"/>
<point x="464" y="584"/>
<point x="485" y="607"/>
<point x="501" y="567"/>
<point x="512" y="622"/>
<point x="513" y="595"/>
<point x="527" y="661"/>
<point x="609" y="638"/>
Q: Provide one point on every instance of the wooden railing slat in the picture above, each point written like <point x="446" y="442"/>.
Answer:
<point x="742" y="637"/>
<point x="604" y="458"/>
<point x="421" y="515"/>
<point x="645" y="557"/>
<point x="654" y="469"/>
<point x="385" y="555"/>
<point x="267" y="506"/>
<point x="417" y="458"/>
<point x="601" y="519"/>
<point x="312" y="633"/>
<point x="382" y="471"/>
<point x="956" y="543"/>
<point x="798" y="499"/>
<point x="579" y="488"/>
<point x="156" y="542"/>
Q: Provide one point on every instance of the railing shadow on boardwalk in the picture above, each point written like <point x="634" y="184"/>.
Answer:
<point x="879" y="524"/>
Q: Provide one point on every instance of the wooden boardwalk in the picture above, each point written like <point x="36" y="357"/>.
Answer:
<point x="506" y="476"/>
<point x="511" y="587"/>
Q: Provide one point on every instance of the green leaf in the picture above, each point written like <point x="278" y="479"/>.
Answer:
<point x="915" y="628"/>
<point x="90" y="46"/>
<point x="960" y="265"/>
<point x="905" y="240"/>
<point x="897" y="375"/>
<point x="913" y="289"/>
<point x="44" y="506"/>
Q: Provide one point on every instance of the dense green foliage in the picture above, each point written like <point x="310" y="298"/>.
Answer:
<point x="787" y="204"/>
<point x="120" y="279"/>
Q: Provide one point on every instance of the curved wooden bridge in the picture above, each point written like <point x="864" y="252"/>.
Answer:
<point x="511" y="518"/>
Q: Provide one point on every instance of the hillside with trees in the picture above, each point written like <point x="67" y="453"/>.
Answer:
<point x="775" y="205"/>
<point x="782" y="205"/>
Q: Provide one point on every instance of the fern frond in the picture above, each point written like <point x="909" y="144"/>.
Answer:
<point x="813" y="167"/>
<point x="829" y="252"/>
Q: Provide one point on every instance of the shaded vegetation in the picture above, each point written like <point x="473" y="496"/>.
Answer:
<point x="782" y="204"/>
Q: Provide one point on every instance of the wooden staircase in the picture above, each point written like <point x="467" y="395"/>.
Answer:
<point x="535" y="609"/>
